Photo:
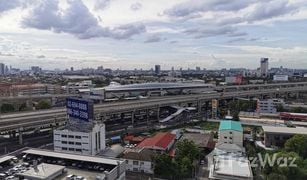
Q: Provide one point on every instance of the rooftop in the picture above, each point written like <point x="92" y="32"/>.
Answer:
<point x="159" y="141"/>
<point x="230" y="125"/>
<point x="95" y="159"/>
<point x="5" y="158"/>
<point x="232" y="166"/>
<point x="201" y="140"/>
<point x="139" y="154"/>
<point x="284" y="130"/>
<point x="43" y="171"/>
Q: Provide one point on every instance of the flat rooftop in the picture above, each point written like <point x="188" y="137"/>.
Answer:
<point x="5" y="158"/>
<point x="284" y="130"/>
<point x="61" y="155"/>
<point x="43" y="171"/>
<point x="233" y="166"/>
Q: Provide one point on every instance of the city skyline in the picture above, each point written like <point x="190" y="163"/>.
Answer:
<point x="139" y="34"/>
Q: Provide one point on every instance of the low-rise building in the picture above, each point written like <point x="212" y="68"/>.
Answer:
<point x="228" y="159"/>
<point x="203" y="141"/>
<point x="161" y="142"/>
<point x="139" y="160"/>
<point x="277" y="136"/>
<point x="230" y="132"/>
<point x="269" y="105"/>
<point x="110" y="168"/>
<point x="43" y="172"/>
<point x="86" y="140"/>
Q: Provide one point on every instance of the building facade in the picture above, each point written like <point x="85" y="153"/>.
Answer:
<point x="269" y="105"/>
<point x="85" y="142"/>
<point x="264" y="67"/>
<point x="140" y="160"/>
<point x="230" y="132"/>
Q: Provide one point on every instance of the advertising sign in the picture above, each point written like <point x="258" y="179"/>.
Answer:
<point x="280" y="77"/>
<point x="81" y="109"/>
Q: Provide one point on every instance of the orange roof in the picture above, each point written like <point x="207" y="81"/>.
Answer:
<point x="160" y="141"/>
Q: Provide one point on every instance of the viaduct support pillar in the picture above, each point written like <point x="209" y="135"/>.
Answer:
<point x="20" y="136"/>
<point x="132" y="118"/>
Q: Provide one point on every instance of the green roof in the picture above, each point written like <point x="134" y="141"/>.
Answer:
<point x="230" y="125"/>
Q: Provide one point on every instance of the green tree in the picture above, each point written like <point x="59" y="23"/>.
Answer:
<point x="186" y="148"/>
<point x="298" y="144"/>
<point x="5" y="108"/>
<point x="43" y="104"/>
<point x="165" y="167"/>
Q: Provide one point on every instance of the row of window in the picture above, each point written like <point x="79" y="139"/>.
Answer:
<point x="73" y="143"/>
<point x="72" y="149"/>
<point x="71" y="136"/>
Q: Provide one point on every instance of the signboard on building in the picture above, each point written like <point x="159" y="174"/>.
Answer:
<point x="80" y="109"/>
<point x="214" y="104"/>
<point x="234" y="79"/>
<point x="280" y="78"/>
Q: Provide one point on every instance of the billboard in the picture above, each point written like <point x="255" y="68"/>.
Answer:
<point x="234" y="79"/>
<point x="280" y="77"/>
<point x="80" y="109"/>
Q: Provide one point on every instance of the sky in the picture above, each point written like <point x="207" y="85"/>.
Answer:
<point x="128" y="34"/>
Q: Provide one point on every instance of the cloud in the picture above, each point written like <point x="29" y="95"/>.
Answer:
<point x="41" y="56"/>
<point x="6" y="54"/>
<point x="200" y="32"/>
<point x="154" y="38"/>
<point x="76" y="20"/>
<point x="6" y="5"/>
<point x="101" y="4"/>
<point x="268" y="10"/>
<point x="136" y="6"/>
<point x="197" y="6"/>
<point x="126" y="31"/>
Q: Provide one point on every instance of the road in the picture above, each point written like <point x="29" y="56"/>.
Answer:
<point x="40" y="118"/>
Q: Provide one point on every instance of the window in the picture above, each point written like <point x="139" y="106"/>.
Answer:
<point x="71" y="149"/>
<point x="63" y="136"/>
<point x="85" y="136"/>
<point x="230" y="137"/>
<point x="78" y="150"/>
<point x="127" y="161"/>
<point x="64" y="142"/>
<point x="225" y="137"/>
<point x="78" y="143"/>
<point x="135" y="169"/>
<point x="64" y="148"/>
<point x="71" y="142"/>
<point x="78" y="137"/>
<point x="84" y="143"/>
<point x="142" y="163"/>
<point x="135" y="162"/>
<point x="70" y="136"/>
<point x="230" y="132"/>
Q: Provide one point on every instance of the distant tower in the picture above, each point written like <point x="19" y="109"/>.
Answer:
<point x="157" y="69"/>
<point x="2" y="69"/>
<point x="264" y="67"/>
<point x="71" y="68"/>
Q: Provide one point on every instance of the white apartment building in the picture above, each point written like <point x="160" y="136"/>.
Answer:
<point x="140" y="160"/>
<point x="269" y="105"/>
<point x="230" y="132"/>
<point x="86" y="140"/>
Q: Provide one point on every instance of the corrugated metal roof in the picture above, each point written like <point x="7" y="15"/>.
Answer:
<point x="230" y="125"/>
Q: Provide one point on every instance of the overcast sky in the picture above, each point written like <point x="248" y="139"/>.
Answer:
<point x="130" y="34"/>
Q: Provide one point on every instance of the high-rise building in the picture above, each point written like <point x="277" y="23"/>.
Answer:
<point x="36" y="69"/>
<point x="264" y="67"/>
<point x="2" y="69"/>
<point x="157" y="69"/>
